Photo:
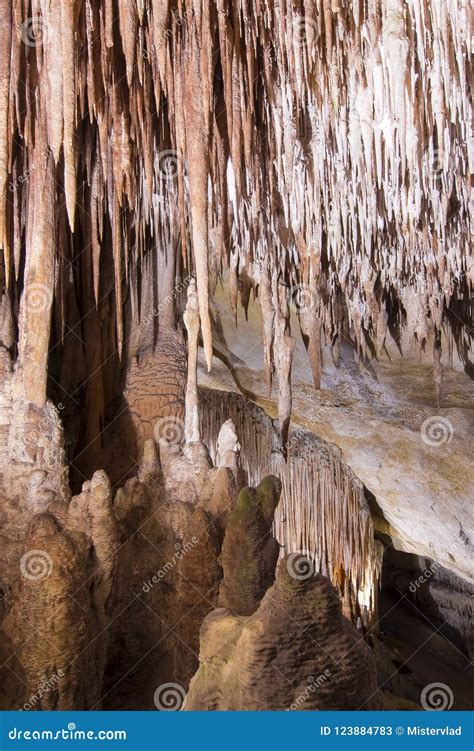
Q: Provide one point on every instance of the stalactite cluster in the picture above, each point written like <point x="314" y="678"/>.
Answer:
<point x="316" y="151"/>
<point x="323" y="514"/>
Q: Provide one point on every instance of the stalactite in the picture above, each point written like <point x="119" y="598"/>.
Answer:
<point x="68" y="12"/>
<point x="268" y="316"/>
<point x="322" y="514"/>
<point x="228" y="447"/>
<point x="354" y="190"/>
<point x="283" y="347"/>
<point x="37" y="298"/>
<point x="5" y="52"/>
<point x="197" y="144"/>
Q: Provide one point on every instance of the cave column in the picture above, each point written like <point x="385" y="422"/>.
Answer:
<point x="37" y="298"/>
<point x="192" y="323"/>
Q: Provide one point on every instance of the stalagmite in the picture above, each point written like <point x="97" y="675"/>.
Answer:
<point x="322" y="514"/>
<point x="49" y="605"/>
<point x="192" y="323"/>
<point x="266" y="305"/>
<point x="296" y="652"/>
<point x="150" y="463"/>
<point x="283" y="347"/>
<point x="249" y="552"/>
<point x="228" y="447"/>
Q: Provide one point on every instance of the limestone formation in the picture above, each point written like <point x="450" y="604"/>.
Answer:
<point x="192" y="323"/>
<point x="12" y="678"/>
<point x="51" y="619"/>
<point x="162" y="161"/>
<point x="296" y="652"/>
<point x="250" y="552"/>
<point x="323" y="512"/>
<point x="199" y="575"/>
<point x="228" y="447"/>
<point x="343" y="177"/>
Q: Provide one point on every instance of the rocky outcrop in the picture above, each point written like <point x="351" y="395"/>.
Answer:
<point x="250" y="552"/>
<point x="384" y="422"/>
<point x="13" y="686"/>
<point x="51" y="620"/>
<point x="297" y="651"/>
<point x="199" y="576"/>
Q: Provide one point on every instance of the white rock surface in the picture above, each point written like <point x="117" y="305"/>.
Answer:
<point x="419" y="472"/>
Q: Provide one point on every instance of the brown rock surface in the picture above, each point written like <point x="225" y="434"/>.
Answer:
<point x="297" y="651"/>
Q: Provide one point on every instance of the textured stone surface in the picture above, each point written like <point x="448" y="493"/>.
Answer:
<point x="52" y="619"/>
<point x="250" y="552"/>
<point x="297" y="651"/>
